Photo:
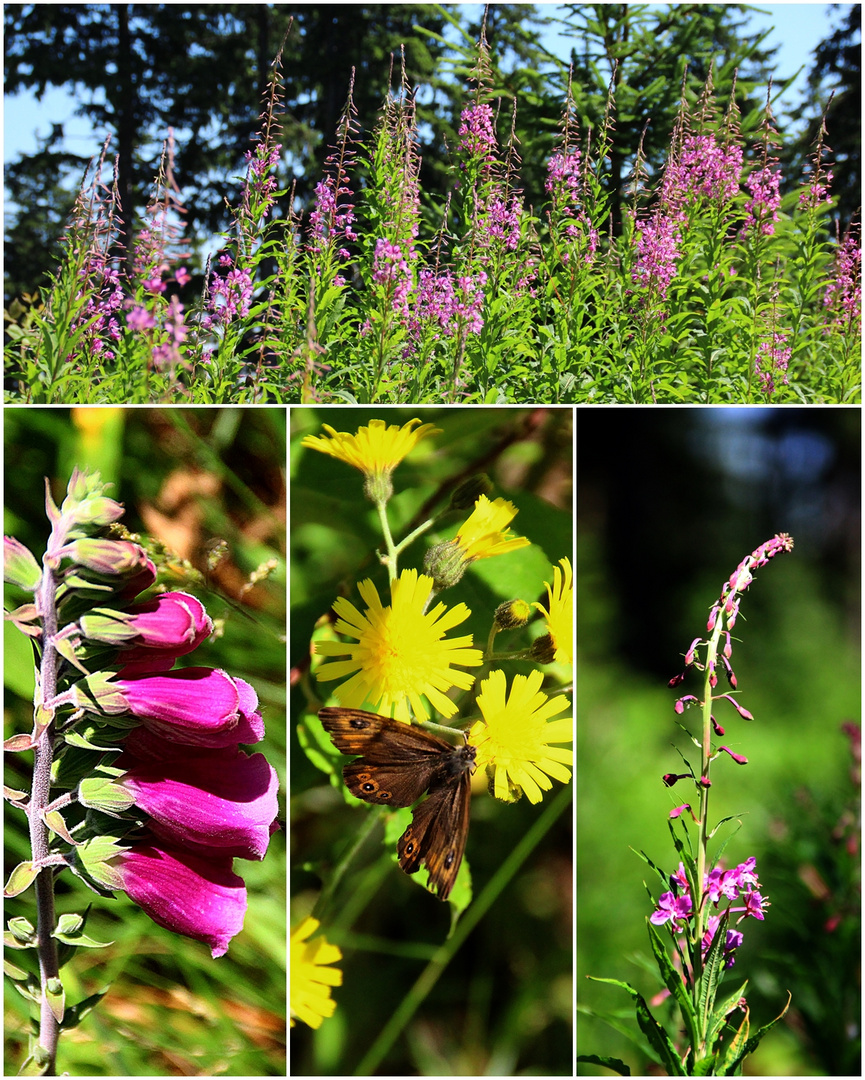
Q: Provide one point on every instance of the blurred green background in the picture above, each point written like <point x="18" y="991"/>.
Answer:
<point x="191" y="478"/>
<point x="503" y="1005"/>
<point x="668" y="503"/>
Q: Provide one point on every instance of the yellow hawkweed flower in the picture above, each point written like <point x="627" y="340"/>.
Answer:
<point x="560" y="617"/>
<point x="401" y="657"/>
<point x="310" y="979"/>
<point x="485" y="531"/>
<point x="375" y="450"/>
<point x="513" y="738"/>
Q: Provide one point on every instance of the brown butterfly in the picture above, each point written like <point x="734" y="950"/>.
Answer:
<point x="399" y="763"/>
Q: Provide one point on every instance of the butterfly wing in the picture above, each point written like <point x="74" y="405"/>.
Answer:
<point x="398" y="763"/>
<point x="437" y="835"/>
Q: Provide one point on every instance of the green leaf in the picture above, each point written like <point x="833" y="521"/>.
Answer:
<point x="615" y="1064"/>
<point x="658" y="1039"/>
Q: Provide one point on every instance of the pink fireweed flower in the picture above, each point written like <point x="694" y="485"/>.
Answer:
<point x="390" y="269"/>
<point x="772" y="359"/>
<point x="763" y="186"/>
<point x="477" y="138"/>
<point x="657" y="252"/>
<point x="843" y="296"/>
<point x="216" y="798"/>
<point x="199" y="897"/>
<point x="140" y="319"/>
<point x="673" y="909"/>
<point x="709" y="169"/>
<point x="198" y="706"/>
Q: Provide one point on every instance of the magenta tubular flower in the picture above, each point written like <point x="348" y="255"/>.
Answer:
<point x="201" y="898"/>
<point x="199" y="706"/>
<point x="216" y="798"/>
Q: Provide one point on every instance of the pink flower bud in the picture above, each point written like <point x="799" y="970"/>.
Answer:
<point x="173" y="621"/>
<point x="201" y="898"/>
<point x="216" y="798"/>
<point x="740" y="759"/>
<point x="105" y="557"/>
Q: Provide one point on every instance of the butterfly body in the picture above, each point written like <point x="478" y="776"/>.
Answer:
<point x="398" y="763"/>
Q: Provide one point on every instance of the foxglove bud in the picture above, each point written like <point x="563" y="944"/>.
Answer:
<point x="175" y="622"/>
<point x="105" y="557"/>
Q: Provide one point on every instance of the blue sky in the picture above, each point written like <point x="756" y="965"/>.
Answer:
<point x="796" y="30"/>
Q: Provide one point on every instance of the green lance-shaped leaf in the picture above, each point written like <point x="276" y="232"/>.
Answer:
<point x="673" y="981"/>
<point x="739" y="1049"/>
<point x="713" y="972"/>
<point x="76" y="1013"/>
<point x="718" y="1018"/>
<point x="658" y="1039"/>
<point x="615" y="1064"/>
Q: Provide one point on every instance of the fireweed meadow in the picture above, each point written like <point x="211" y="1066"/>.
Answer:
<point x="712" y="288"/>
<point x="703" y="907"/>
<point x="143" y="776"/>
<point x="460" y="627"/>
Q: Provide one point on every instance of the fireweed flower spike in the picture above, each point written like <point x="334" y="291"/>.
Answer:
<point x="401" y="657"/>
<point x="513" y="739"/>
<point x="310" y="976"/>
<point x="704" y="905"/>
<point x="166" y="816"/>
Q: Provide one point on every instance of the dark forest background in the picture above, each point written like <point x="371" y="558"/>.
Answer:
<point x="139" y="69"/>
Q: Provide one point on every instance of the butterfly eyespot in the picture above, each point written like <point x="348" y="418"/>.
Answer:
<point x="449" y="860"/>
<point x="409" y="848"/>
<point x="367" y="787"/>
<point x="359" y="725"/>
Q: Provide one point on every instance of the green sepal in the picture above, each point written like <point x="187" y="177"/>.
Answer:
<point x="90" y="863"/>
<point x="65" y="647"/>
<point x="95" y="735"/>
<point x="97" y="693"/>
<point x="56" y="997"/>
<point x="108" y="625"/>
<point x="616" y="1065"/>
<point x="21" y="878"/>
<point x="101" y="793"/>
<point x="657" y="1037"/>
<point x="13" y="795"/>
